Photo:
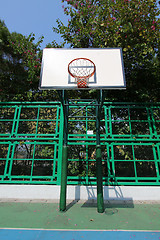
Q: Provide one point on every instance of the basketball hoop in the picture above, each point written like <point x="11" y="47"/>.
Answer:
<point x="81" y="69"/>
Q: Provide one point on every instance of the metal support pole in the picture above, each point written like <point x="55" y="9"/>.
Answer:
<point x="63" y="191"/>
<point x="100" y="201"/>
<point x="62" y="206"/>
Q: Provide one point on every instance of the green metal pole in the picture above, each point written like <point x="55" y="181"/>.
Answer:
<point x="63" y="191"/>
<point x="64" y="179"/>
<point x="100" y="201"/>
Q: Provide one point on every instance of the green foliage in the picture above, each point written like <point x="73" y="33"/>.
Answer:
<point x="132" y="25"/>
<point x="20" y="65"/>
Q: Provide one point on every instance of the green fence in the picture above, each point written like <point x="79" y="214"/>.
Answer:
<point x="31" y="139"/>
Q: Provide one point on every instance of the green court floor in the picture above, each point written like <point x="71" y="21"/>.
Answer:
<point x="80" y="216"/>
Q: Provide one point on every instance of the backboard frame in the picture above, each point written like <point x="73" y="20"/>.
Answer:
<point x="52" y="74"/>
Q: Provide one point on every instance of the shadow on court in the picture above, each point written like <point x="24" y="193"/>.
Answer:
<point x="118" y="201"/>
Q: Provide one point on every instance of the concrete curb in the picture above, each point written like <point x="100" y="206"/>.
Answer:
<point x="83" y="193"/>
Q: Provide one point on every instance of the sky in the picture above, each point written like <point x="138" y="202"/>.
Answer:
<point x="33" y="16"/>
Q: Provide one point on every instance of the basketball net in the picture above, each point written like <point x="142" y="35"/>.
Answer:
<point x="82" y="82"/>
<point x="81" y="69"/>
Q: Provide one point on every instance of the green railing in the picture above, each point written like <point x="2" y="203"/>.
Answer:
<point x="31" y="136"/>
<point x="31" y="140"/>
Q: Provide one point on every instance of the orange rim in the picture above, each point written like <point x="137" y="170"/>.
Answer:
<point x="83" y="77"/>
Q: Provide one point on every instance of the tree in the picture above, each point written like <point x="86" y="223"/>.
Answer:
<point x="132" y="25"/>
<point x="20" y="66"/>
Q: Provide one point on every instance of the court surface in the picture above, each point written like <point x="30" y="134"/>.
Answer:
<point x="38" y="221"/>
<point x="19" y="234"/>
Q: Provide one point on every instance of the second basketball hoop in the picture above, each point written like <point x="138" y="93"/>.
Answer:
<point x="81" y="69"/>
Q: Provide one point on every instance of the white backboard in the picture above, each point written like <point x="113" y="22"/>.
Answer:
<point x="109" y="68"/>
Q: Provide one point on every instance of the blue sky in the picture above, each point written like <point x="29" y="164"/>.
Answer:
<point x="37" y="16"/>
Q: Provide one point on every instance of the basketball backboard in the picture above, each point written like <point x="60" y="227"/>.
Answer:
<point x="109" y="68"/>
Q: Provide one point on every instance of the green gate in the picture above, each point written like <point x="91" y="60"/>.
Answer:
<point x="31" y="140"/>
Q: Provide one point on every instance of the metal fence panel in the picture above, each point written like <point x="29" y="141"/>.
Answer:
<point x="31" y="139"/>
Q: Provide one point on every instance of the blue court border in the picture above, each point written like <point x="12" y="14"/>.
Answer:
<point x="30" y="234"/>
